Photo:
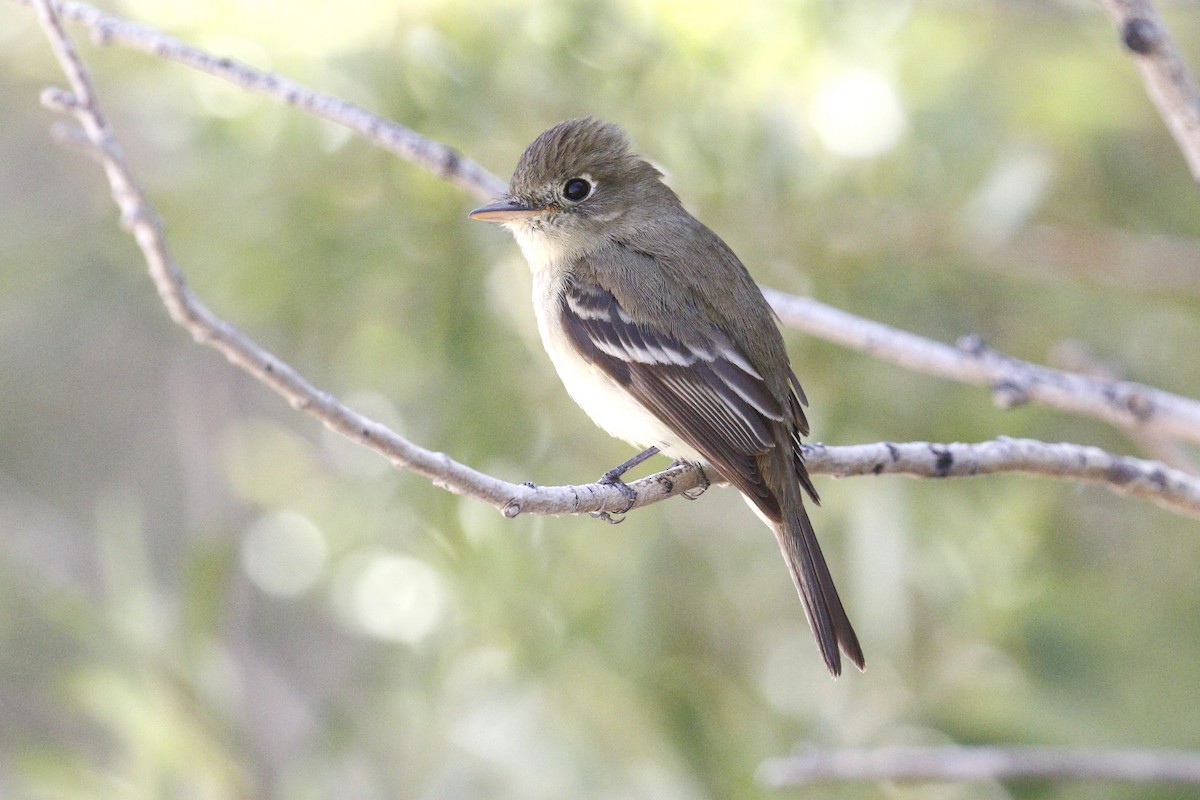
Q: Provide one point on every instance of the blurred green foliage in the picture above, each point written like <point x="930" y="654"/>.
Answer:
<point x="205" y="595"/>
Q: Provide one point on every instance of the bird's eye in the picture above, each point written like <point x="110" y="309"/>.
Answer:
<point x="576" y="190"/>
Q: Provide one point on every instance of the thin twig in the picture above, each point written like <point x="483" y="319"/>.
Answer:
<point x="1125" y="404"/>
<point x="1075" y="357"/>
<point x="958" y="763"/>
<point x="1164" y="72"/>
<point x="443" y="161"/>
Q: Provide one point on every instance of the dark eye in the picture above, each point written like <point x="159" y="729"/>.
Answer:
<point x="576" y="190"/>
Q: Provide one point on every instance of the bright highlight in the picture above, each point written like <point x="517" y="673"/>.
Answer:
<point x="391" y="596"/>
<point x="857" y="114"/>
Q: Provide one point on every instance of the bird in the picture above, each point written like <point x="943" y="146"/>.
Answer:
<point x="660" y="334"/>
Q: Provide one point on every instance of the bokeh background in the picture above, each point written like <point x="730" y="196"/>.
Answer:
<point x="203" y="594"/>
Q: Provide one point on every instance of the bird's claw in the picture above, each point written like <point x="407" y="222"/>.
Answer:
<point x="613" y="478"/>
<point x="695" y="492"/>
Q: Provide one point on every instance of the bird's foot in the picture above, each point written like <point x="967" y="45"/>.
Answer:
<point x="613" y="478"/>
<point x="695" y="492"/>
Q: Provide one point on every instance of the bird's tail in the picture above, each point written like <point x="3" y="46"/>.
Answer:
<point x="822" y="606"/>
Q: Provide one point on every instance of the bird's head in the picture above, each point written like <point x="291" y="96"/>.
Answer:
<point x="577" y="186"/>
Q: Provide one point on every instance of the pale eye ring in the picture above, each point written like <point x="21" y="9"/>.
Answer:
<point x="576" y="190"/>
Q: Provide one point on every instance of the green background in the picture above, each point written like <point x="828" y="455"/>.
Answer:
<point x="203" y="594"/>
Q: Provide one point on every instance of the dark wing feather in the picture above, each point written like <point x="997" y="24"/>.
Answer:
<point x="704" y="389"/>
<point x="707" y="391"/>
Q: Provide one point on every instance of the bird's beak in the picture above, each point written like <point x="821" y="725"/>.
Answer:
<point x="503" y="211"/>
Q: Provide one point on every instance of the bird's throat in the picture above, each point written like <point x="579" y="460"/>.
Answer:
<point x="549" y="247"/>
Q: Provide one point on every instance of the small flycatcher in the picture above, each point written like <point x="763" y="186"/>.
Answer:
<point x="660" y="334"/>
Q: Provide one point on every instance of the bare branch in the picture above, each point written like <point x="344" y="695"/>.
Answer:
<point x="957" y="763"/>
<point x="1122" y="403"/>
<point x="1075" y="356"/>
<point x="443" y="161"/>
<point x="1168" y="487"/>
<point x="1164" y="72"/>
<point x="1125" y="404"/>
<point x="1128" y="405"/>
<point x="190" y="313"/>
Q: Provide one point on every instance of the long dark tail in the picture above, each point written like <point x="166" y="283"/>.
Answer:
<point x="822" y="606"/>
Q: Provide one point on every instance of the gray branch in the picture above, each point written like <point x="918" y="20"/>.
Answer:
<point x="1164" y="72"/>
<point x="443" y="161"/>
<point x="1168" y="487"/>
<point x="1171" y="488"/>
<point x="958" y="763"/>
<point x="1124" y="404"/>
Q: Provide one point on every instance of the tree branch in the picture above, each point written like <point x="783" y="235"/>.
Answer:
<point x="1170" y="488"/>
<point x="1125" y="404"/>
<point x="443" y="161"/>
<point x="1119" y="402"/>
<point x="1076" y="357"/>
<point x="957" y="763"/>
<point x="1164" y="72"/>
